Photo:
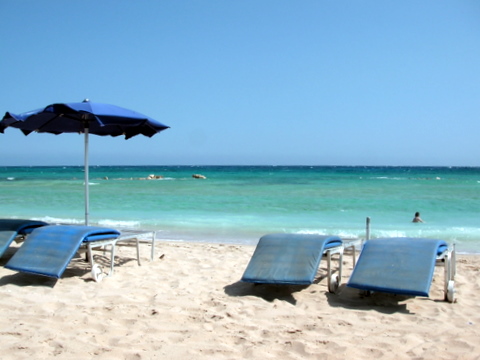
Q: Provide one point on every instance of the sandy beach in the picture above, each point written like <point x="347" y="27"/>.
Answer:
<point x="189" y="304"/>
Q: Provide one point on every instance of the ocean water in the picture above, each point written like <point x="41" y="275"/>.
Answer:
<point x="238" y="204"/>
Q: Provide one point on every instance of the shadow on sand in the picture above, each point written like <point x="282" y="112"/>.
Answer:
<point x="354" y="299"/>
<point x="268" y="292"/>
<point x="78" y="267"/>
<point x="345" y="297"/>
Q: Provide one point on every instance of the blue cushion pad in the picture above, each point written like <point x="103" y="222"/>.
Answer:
<point x="397" y="265"/>
<point x="288" y="258"/>
<point x="10" y="228"/>
<point x="49" y="249"/>
<point x="20" y="226"/>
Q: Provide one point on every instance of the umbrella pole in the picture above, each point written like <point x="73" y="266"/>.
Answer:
<point x="86" y="175"/>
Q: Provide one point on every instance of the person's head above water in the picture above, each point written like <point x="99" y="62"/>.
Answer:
<point x="417" y="217"/>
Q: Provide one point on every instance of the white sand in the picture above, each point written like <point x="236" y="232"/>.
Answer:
<point x="190" y="305"/>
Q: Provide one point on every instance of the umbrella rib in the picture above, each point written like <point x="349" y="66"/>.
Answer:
<point x="85" y="122"/>
<point x="47" y="123"/>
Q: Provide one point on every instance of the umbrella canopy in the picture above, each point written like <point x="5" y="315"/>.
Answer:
<point x="99" y="119"/>
<point x="84" y="117"/>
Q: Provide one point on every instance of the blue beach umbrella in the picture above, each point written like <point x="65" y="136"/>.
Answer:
<point x="84" y="117"/>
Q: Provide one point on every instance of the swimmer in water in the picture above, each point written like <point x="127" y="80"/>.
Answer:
<point x="417" y="218"/>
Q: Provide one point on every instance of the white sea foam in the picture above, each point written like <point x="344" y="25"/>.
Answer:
<point x="119" y="223"/>
<point x="105" y="222"/>
<point x="55" y="220"/>
<point x="344" y="234"/>
<point x="388" y="178"/>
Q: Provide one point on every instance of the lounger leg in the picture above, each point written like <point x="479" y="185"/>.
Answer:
<point x="329" y="268"/>
<point x="96" y="269"/>
<point x="340" y="265"/>
<point x="449" y="286"/>
<point x="89" y="255"/>
<point x="334" y="280"/>
<point x="138" y="251"/>
<point x="112" y="259"/>
<point x="454" y="263"/>
<point x="153" y="247"/>
<point x="353" y="248"/>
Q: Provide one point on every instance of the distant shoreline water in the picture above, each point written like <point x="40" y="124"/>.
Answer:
<point x="238" y="204"/>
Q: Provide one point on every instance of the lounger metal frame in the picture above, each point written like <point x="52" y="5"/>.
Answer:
<point x="109" y="245"/>
<point x="448" y="257"/>
<point x="334" y="281"/>
<point x="96" y="270"/>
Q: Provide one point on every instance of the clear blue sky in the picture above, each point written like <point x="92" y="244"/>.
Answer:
<point x="250" y="82"/>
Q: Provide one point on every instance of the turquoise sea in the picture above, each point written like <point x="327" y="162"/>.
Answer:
<point x="238" y="204"/>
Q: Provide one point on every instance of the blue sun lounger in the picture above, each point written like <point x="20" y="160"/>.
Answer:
<point x="11" y="228"/>
<point x="403" y="266"/>
<point x="49" y="249"/>
<point x="293" y="259"/>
